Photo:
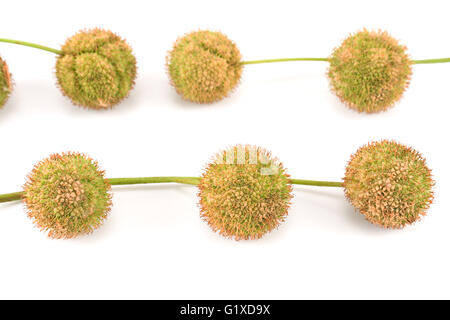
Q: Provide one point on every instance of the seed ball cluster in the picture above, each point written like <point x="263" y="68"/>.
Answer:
<point x="204" y="66"/>
<point x="244" y="193"/>
<point x="389" y="183"/>
<point x="67" y="195"/>
<point x="5" y="83"/>
<point x="370" y="71"/>
<point x="97" y="69"/>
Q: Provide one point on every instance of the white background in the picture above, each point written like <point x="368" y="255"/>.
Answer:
<point x="154" y="244"/>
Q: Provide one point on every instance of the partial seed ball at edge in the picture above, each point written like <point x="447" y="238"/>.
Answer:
<point x="6" y="85"/>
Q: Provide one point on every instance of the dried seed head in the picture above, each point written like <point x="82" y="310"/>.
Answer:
<point x="389" y="183"/>
<point x="5" y="82"/>
<point x="370" y="71"/>
<point x="97" y="69"/>
<point x="204" y="66"/>
<point x="67" y="195"/>
<point x="244" y="193"/>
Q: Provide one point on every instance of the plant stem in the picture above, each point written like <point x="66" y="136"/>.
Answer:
<point x="424" y="61"/>
<point x="316" y="183"/>
<point x="32" y="45"/>
<point x="441" y="60"/>
<point x="283" y="60"/>
<point x="146" y="180"/>
<point x="7" y="197"/>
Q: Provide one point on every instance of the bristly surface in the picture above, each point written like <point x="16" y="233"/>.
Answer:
<point x="370" y="71"/>
<point x="67" y="195"/>
<point x="389" y="183"/>
<point x="5" y="82"/>
<point x="97" y="69"/>
<point x="204" y="66"/>
<point x="244" y="193"/>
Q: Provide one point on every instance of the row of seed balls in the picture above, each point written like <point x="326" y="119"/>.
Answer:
<point x="244" y="192"/>
<point x="369" y="71"/>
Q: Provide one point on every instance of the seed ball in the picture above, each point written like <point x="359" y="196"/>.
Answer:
<point x="5" y="82"/>
<point x="67" y="195"/>
<point x="389" y="183"/>
<point x="369" y="71"/>
<point x="244" y="193"/>
<point x="204" y="66"/>
<point x="96" y="69"/>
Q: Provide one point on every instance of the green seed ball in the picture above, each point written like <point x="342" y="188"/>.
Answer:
<point x="389" y="183"/>
<point x="96" y="69"/>
<point x="369" y="71"/>
<point x="204" y="66"/>
<point x="67" y="195"/>
<point x="5" y="82"/>
<point x="244" y="193"/>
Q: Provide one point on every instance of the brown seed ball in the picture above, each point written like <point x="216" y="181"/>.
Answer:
<point x="5" y="82"/>
<point x="389" y="183"/>
<point x="67" y="195"/>
<point x="97" y="69"/>
<point x="244" y="193"/>
<point x="204" y="66"/>
<point x="369" y="71"/>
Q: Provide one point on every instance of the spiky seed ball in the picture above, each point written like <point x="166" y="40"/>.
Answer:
<point x="204" y="66"/>
<point x="5" y="82"/>
<point x="369" y="71"/>
<point x="244" y="193"/>
<point x="67" y="195"/>
<point x="97" y="69"/>
<point x="389" y="183"/>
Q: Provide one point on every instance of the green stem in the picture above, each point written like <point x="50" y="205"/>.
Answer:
<point x="317" y="183"/>
<point x="32" y="45"/>
<point x="283" y="60"/>
<point x="7" y="197"/>
<point x="441" y="60"/>
<point x="146" y="180"/>
<point x="424" y="61"/>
